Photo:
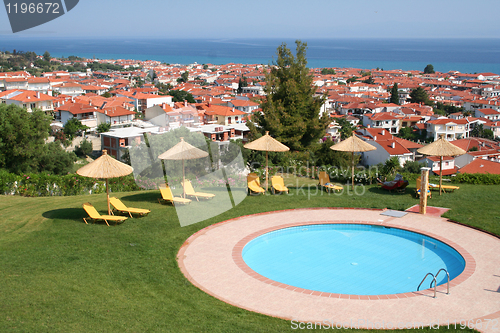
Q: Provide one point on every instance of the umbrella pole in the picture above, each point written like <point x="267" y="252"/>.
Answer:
<point x="440" y="173"/>
<point x="267" y="174"/>
<point x="352" y="171"/>
<point x="107" y="194"/>
<point x="183" y="181"/>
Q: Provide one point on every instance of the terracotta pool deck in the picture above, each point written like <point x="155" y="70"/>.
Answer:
<point x="211" y="260"/>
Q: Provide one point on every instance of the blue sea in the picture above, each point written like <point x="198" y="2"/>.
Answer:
<point x="464" y="55"/>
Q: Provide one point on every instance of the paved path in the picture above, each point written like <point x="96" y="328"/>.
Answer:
<point x="211" y="260"/>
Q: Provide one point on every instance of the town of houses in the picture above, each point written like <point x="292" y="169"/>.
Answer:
<point x="135" y="106"/>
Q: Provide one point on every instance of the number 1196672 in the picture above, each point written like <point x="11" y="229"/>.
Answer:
<point x="32" y="8"/>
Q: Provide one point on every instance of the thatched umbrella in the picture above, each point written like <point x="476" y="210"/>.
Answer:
<point x="266" y="143"/>
<point x="105" y="167"/>
<point x="353" y="145"/>
<point x="180" y="152"/>
<point x="441" y="147"/>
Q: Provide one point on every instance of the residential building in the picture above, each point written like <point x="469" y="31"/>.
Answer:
<point x="432" y="162"/>
<point x="28" y="99"/>
<point x="386" y="120"/>
<point x="116" y="116"/>
<point x="117" y="141"/>
<point x="452" y="129"/>
<point x="70" y="89"/>
<point x="488" y="113"/>
<point x="246" y="106"/>
<point x="386" y="149"/>
<point x="83" y="112"/>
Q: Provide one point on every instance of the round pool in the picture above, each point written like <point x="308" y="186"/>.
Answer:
<point x="355" y="259"/>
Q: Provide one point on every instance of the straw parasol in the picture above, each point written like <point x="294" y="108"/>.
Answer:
<point x="353" y="144"/>
<point x="180" y="152"/>
<point x="105" y="167"/>
<point x="266" y="143"/>
<point x="441" y="147"/>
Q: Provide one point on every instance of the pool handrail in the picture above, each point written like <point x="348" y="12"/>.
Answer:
<point x="425" y="277"/>
<point x="434" y="277"/>
<point x="448" y="283"/>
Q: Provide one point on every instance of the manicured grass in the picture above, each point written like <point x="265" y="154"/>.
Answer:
<point x="60" y="275"/>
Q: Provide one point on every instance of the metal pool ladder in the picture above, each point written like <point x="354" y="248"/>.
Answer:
<point x="434" y="277"/>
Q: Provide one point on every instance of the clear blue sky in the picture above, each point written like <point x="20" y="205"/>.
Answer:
<point x="273" y="19"/>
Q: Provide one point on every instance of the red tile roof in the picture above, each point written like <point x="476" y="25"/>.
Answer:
<point x="76" y="108"/>
<point x="481" y="166"/>
<point x="393" y="147"/>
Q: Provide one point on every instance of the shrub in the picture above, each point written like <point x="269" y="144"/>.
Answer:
<point x="477" y="178"/>
<point x="85" y="148"/>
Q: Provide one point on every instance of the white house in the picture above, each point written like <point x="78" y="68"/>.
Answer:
<point x="452" y="129"/>
<point x="386" y="120"/>
<point x="386" y="149"/>
<point x="83" y="112"/>
<point x="433" y="163"/>
<point x="489" y="114"/>
<point x="70" y="89"/>
<point x="116" y="116"/>
<point x="28" y="99"/>
<point x="10" y="83"/>
<point x="246" y="106"/>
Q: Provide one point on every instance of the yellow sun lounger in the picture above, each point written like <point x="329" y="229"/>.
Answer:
<point x="120" y="207"/>
<point x="166" y="195"/>
<point x="324" y="181"/>
<point x="189" y="190"/>
<point x="449" y="188"/>
<point x="253" y="183"/>
<point x="94" y="215"/>
<point x="278" y="185"/>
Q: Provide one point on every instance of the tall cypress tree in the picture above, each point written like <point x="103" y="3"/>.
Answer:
<point x="290" y="111"/>
<point x="395" y="94"/>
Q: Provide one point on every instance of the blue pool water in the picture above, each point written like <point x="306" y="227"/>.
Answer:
<point x="353" y="259"/>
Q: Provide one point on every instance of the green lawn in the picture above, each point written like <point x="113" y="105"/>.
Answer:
<point x="60" y="275"/>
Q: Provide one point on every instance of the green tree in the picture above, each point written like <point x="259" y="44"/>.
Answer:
<point x="412" y="167"/>
<point x="85" y="148"/>
<point x="291" y="111"/>
<point x="103" y="128"/>
<point x="241" y="84"/>
<point x="326" y="71"/>
<point x="394" y="94"/>
<point x="391" y="166"/>
<point x="419" y="95"/>
<point x="479" y="132"/>
<point x="55" y="160"/>
<point x="46" y="56"/>
<point x="346" y="128"/>
<point x="107" y="94"/>
<point x="181" y="96"/>
<point x="184" y="77"/>
<point x="326" y="156"/>
<point x="369" y="80"/>
<point x="73" y="127"/>
<point x="429" y="69"/>
<point x="406" y="133"/>
<point x="22" y="137"/>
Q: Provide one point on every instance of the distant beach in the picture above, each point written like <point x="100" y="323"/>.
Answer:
<point x="464" y="55"/>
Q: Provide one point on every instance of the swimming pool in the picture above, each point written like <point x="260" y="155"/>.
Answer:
<point x="355" y="259"/>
